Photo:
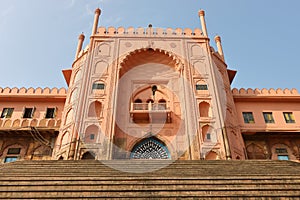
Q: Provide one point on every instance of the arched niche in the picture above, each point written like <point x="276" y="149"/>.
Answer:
<point x="204" y="108"/>
<point x="7" y="123"/>
<point x="95" y="109"/>
<point x="255" y="151"/>
<point x="150" y="148"/>
<point x="200" y="68"/>
<point x="25" y="123"/>
<point x="16" y="123"/>
<point x="65" y="138"/>
<point x="69" y="116"/>
<point x="207" y="132"/>
<point x="197" y="51"/>
<point x="104" y="49"/>
<point x="101" y="68"/>
<point x="73" y="96"/>
<point x="77" y="76"/>
<point x="34" y="122"/>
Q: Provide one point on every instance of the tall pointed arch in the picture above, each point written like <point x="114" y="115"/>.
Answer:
<point x="150" y="55"/>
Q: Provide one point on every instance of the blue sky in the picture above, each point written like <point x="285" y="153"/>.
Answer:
<point x="260" y="37"/>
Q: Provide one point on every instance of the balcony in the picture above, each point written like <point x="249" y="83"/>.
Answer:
<point x="150" y="113"/>
<point x="148" y="107"/>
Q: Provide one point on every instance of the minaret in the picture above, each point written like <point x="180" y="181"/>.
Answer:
<point x="201" y="14"/>
<point x="219" y="46"/>
<point x="96" y="20"/>
<point x="79" y="46"/>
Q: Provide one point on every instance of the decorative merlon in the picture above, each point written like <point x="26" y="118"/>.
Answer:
<point x="151" y="32"/>
<point x="32" y="91"/>
<point x="265" y="92"/>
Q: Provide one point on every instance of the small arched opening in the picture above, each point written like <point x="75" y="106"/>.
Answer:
<point x="88" y="156"/>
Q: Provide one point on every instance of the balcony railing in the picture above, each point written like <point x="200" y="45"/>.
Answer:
<point x="20" y="123"/>
<point x="146" y="107"/>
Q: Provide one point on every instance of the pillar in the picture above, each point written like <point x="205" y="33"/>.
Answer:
<point x="96" y="20"/>
<point x="219" y="46"/>
<point x="201" y="14"/>
<point x="79" y="46"/>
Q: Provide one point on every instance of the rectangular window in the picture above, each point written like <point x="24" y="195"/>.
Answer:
<point x="7" y="112"/>
<point x="208" y="136"/>
<point x="92" y="136"/>
<point x="268" y="116"/>
<point x="14" y="151"/>
<point x="281" y="150"/>
<point x="283" y="157"/>
<point x="248" y="117"/>
<point x="201" y="87"/>
<point x="98" y="86"/>
<point x="289" y="117"/>
<point x="28" y="113"/>
<point x="10" y="159"/>
<point x="50" y="113"/>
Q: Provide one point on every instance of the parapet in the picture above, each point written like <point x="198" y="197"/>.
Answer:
<point x="32" y="91"/>
<point x="159" y="32"/>
<point x="265" y="92"/>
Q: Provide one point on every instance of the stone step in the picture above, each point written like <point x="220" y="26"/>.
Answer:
<point x="135" y="181"/>
<point x="178" y="194"/>
<point x="180" y="179"/>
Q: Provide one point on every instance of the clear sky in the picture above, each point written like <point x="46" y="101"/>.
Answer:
<point x="38" y="38"/>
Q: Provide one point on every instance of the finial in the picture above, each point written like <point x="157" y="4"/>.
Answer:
<point x="98" y="11"/>
<point x="201" y="13"/>
<point x="81" y="36"/>
<point x="217" y="38"/>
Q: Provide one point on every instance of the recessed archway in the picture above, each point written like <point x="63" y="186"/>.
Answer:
<point x="150" y="148"/>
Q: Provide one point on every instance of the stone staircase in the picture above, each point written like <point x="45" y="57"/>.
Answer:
<point x="87" y="179"/>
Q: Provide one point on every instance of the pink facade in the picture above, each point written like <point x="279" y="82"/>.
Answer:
<point x="149" y="93"/>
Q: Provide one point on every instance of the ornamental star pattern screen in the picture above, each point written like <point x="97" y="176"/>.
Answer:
<point x="150" y="149"/>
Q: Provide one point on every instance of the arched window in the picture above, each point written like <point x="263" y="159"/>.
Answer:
<point x="206" y="135"/>
<point x="162" y="104"/>
<point x="150" y="100"/>
<point x="91" y="134"/>
<point x="150" y="148"/>
<point x="138" y="101"/>
<point x="138" y="104"/>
